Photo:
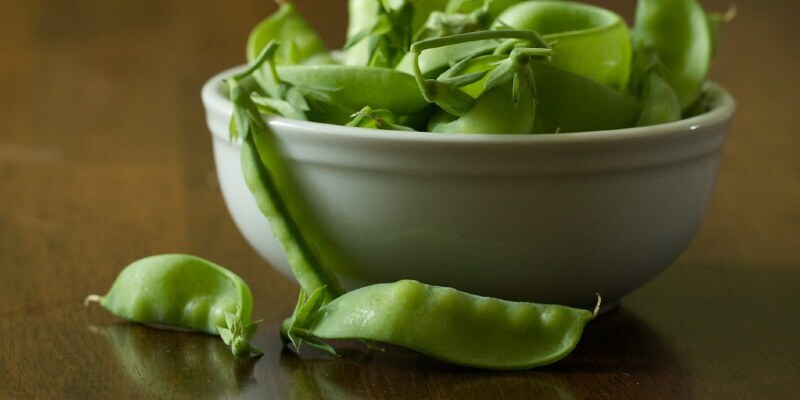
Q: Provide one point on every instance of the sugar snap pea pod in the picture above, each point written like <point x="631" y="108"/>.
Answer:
<point x="301" y="44"/>
<point x="568" y="102"/>
<point x="659" y="102"/>
<point x="184" y="292"/>
<point x="506" y="104"/>
<point x="446" y="324"/>
<point x="385" y="35"/>
<point x="353" y="86"/>
<point x="263" y="169"/>
<point x="680" y="32"/>
<point x="587" y="40"/>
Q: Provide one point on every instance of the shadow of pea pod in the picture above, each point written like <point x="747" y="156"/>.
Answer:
<point x="398" y="373"/>
<point x="180" y="363"/>
<point x="620" y="355"/>
<point x="624" y="356"/>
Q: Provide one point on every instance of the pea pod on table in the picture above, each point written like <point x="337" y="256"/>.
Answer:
<point x="445" y="323"/>
<point x="184" y="292"/>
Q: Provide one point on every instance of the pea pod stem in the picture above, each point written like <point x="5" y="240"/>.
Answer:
<point x="530" y="36"/>
<point x="449" y="98"/>
<point x="266" y="54"/>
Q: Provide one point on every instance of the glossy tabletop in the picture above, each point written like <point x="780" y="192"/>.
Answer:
<point x="105" y="158"/>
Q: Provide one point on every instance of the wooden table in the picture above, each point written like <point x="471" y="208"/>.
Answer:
<point x="105" y="158"/>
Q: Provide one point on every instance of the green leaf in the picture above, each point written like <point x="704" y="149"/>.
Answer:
<point x="322" y="346"/>
<point x="502" y="73"/>
<point x="225" y="334"/>
<point x="377" y="119"/>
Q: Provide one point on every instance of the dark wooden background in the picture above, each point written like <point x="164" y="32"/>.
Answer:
<point x="105" y="158"/>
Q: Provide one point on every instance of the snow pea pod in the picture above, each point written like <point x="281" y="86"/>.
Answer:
<point x="270" y="184"/>
<point x="680" y="33"/>
<point x="184" y="292"/>
<point x="660" y="103"/>
<point x="301" y="44"/>
<point x="353" y="87"/>
<point x="496" y="110"/>
<point x="568" y="102"/>
<point x="447" y="324"/>
<point x="587" y="40"/>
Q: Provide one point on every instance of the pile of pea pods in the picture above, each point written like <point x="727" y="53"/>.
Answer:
<point x="487" y="66"/>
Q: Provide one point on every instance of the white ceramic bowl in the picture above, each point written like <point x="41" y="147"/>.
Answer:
<point x="545" y="218"/>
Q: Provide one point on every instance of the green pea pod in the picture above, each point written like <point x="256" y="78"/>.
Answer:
<point x="301" y="44"/>
<point x="568" y="102"/>
<point x="376" y="23"/>
<point x="270" y="184"/>
<point x="496" y="110"/>
<point x="660" y="102"/>
<point x="585" y="39"/>
<point x="352" y="87"/>
<point x="446" y="324"/>
<point x="184" y="292"/>
<point x="680" y="33"/>
<point x="493" y="112"/>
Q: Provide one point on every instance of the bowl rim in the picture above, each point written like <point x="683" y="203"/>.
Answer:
<point x="723" y="108"/>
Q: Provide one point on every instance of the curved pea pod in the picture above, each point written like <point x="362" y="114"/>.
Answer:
<point x="300" y="43"/>
<point x="354" y="87"/>
<point x="444" y="323"/>
<point x="680" y="33"/>
<point x="505" y="101"/>
<point x="184" y="292"/>
<point x="568" y="102"/>
<point x="493" y="112"/>
<point x="660" y="104"/>
<point x="585" y="39"/>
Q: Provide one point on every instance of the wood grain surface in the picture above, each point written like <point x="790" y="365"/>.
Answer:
<point x="105" y="158"/>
